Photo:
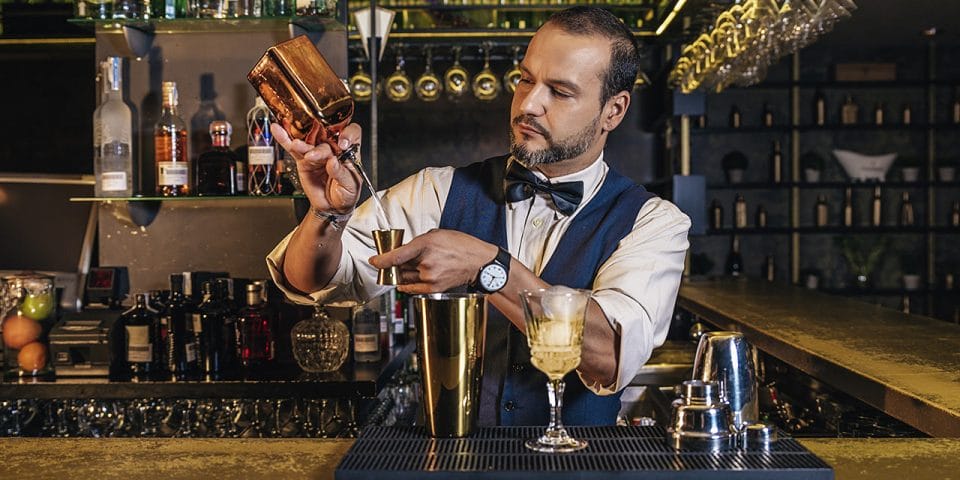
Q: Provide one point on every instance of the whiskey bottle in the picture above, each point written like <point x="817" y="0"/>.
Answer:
<point x="907" y="217"/>
<point x="776" y="163"/>
<point x="848" y="207"/>
<point x="113" y="133"/>
<point x="878" y="114"/>
<point x="739" y="212"/>
<point x="849" y="112"/>
<point x="761" y="217"/>
<point x="135" y="336"/>
<point x="876" y="210"/>
<point x="212" y="315"/>
<point x="261" y="152"/>
<point x="822" y="213"/>
<point x="170" y="147"/>
<point x="734" y="265"/>
<point x="366" y="335"/>
<point x="216" y="168"/>
<point x="255" y="329"/>
<point x="180" y="352"/>
<point x="716" y="215"/>
<point x="819" y="109"/>
<point x="735" y="117"/>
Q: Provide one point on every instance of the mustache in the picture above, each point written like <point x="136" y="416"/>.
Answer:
<point x="532" y="123"/>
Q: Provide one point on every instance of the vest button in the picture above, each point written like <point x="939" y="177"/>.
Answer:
<point x="519" y="367"/>
<point x="509" y="405"/>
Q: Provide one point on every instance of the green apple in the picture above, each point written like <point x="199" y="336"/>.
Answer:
<point x="37" y="306"/>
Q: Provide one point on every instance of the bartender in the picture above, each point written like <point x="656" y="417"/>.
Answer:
<point x="552" y="212"/>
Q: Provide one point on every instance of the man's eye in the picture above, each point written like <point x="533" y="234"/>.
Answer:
<point x="561" y="94"/>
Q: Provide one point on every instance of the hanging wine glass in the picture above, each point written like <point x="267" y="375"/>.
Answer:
<point x="456" y="78"/>
<point x="399" y="87"/>
<point x="429" y="86"/>
<point x="486" y="84"/>
<point x="512" y="78"/>
<point x="361" y="85"/>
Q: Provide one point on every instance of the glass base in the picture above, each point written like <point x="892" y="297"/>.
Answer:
<point x="561" y="443"/>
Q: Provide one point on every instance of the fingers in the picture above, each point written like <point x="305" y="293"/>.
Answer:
<point x="351" y="135"/>
<point x="297" y="148"/>
<point x="398" y="256"/>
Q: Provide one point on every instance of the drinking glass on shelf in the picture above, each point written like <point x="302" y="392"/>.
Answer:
<point x="486" y="84"/>
<point x="399" y="87"/>
<point x="554" y="319"/>
<point x="512" y="77"/>
<point x="456" y="78"/>
<point x="429" y="86"/>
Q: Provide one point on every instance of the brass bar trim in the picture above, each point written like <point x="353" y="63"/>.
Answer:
<point x="48" y="41"/>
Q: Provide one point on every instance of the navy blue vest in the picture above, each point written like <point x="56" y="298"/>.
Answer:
<point x="514" y="392"/>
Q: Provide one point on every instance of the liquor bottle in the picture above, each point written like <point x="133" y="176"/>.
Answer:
<point x="113" y="134"/>
<point x="702" y="121"/>
<point x="955" y="215"/>
<point x="876" y="211"/>
<point x="261" y="152"/>
<point x="848" y="207"/>
<point x="207" y="112"/>
<point x="956" y="107"/>
<point x="716" y="215"/>
<point x="398" y="327"/>
<point x="767" y="116"/>
<point x="212" y="315"/>
<point x="224" y="289"/>
<point x="907" y="217"/>
<point x="819" y="109"/>
<point x="168" y="9"/>
<point x="822" y="212"/>
<point x="739" y="212"/>
<point x="906" y="115"/>
<point x="180" y="348"/>
<point x="734" y="265"/>
<point x="769" y="271"/>
<point x="878" y="114"/>
<point x="366" y="335"/>
<point x="776" y="163"/>
<point x="849" y="112"/>
<point x="216" y="168"/>
<point x="761" y="217"/>
<point x="135" y="335"/>
<point x="255" y="329"/>
<point x="734" y="117"/>
<point x="170" y="147"/>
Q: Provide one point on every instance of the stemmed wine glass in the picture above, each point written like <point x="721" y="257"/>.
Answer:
<point x="554" y="319"/>
<point x="512" y="77"/>
<point x="429" y="86"/>
<point x="398" y="86"/>
<point x="486" y="84"/>
<point x="456" y="78"/>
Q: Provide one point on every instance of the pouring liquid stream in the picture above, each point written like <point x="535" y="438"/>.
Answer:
<point x="351" y="156"/>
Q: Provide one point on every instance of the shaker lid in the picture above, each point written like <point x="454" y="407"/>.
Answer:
<point x="700" y="392"/>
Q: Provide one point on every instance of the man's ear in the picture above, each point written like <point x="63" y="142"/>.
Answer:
<point x="614" y="110"/>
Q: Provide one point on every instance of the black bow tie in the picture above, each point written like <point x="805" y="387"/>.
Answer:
<point x="521" y="183"/>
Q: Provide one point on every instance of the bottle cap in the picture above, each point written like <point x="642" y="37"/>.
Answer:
<point x="221" y="127"/>
<point x="170" y="96"/>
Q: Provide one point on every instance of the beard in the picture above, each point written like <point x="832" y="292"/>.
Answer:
<point x="556" y="150"/>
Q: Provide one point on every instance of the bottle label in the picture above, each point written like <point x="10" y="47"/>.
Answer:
<point x="366" y="342"/>
<point x="190" y="351"/>
<point x="113" y="181"/>
<point x="170" y="9"/>
<point x="172" y="173"/>
<point x="139" y="349"/>
<point x="241" y="177"/>
<point x="260" y="155"/>
<point x="197" y="323"/>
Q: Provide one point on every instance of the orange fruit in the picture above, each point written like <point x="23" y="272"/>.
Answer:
<point x="32" y="357"/>
<point x="19" y="330"/>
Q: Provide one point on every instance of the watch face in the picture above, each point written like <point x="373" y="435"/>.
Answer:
<point x="493" y="277"/>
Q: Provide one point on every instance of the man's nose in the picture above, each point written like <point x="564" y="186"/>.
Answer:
<point x="532" y="102"/>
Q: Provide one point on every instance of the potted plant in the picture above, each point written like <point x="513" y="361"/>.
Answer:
<point x="862" y="256"/>
<point x="947" y="169"/>
<point x="812" y="164"/>
<point x="910" y="265"/>
<point x="909" y="168"/>
<point x="734" y="165"/>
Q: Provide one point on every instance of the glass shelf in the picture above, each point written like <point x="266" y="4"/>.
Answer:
<point x="826" y="185"/>
<point x="829" y="230"/>
<point x="211" y="25"/>
<point x="186" y="198"/>
<point x="853" y="291"/>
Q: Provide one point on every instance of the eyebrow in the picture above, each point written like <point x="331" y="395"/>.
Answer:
<point x="556" y="82"/>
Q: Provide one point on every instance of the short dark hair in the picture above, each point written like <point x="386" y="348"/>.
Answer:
<point x="624" y="50"/>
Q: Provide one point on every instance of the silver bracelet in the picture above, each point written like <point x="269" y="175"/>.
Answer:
<point x="337" y="220"/>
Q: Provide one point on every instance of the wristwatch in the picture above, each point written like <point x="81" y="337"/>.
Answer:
<point x="493" y="276"/>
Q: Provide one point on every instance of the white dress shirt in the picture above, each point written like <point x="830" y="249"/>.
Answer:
<point x="636" y="287"/>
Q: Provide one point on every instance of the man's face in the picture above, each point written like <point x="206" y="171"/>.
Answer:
<point x="555" y="114"/>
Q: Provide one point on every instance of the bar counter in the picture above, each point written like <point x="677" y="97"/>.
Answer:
<point x="282" y="459"/>
<point x="905" y="365"/>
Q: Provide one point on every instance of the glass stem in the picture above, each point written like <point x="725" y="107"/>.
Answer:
<point x="555" y="396"/>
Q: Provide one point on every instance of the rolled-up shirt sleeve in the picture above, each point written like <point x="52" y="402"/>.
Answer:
<point x="414" y="205"/>
<point x="637" y="286"/>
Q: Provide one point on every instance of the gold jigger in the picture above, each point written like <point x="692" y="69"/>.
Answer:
<point x="512" y="78"/>
<point x="429" y="86"/>
<point x="387" y="240"/>
<point x="451" y="329"/>
<point x="361" y="85"/>
<point x="399" y="87"/>
<point x="456" y="79"/>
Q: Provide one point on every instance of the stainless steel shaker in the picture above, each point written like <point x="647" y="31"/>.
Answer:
<point x="700" y="421"/>
<point x="727" y="359"/>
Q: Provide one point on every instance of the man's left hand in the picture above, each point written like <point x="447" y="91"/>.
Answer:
<point x="437" y="261"/>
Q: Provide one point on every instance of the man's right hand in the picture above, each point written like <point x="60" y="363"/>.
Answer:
<point x="331" y="186"/>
